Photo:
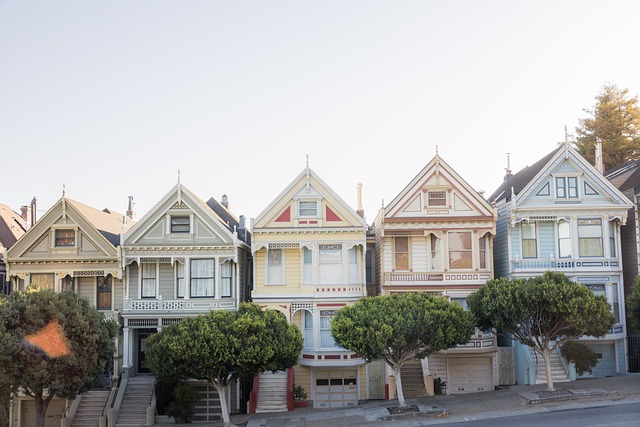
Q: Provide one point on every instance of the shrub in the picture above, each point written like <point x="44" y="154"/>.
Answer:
<point x="582" y="356"/>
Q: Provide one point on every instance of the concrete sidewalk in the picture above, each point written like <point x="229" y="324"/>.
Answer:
<point x="506" y="401"/>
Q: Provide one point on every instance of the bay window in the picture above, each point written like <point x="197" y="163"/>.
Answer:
<point x="202" y="278"/>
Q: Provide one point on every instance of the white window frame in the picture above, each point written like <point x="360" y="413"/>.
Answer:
<point x="307" y="211"/>
<point x="327" y="254"/>
<point x="396" y="253"/>
<point x="307" y="265"/>
<point x="192" y="278"/>
<point x="429" y="198"/>
<point x="111" y="292"/>
<point x="227" y="277"/>
<point x="270" y="279"/>
<point x="326" y="339"/>
<point x="522" y="238"/>
<point x="461" y="251"/>
<point x="153" y="266"/>
<point x="580" y="237"/>
<point x="178" y="266"/>
<point x="435" y="252"/>
<point x="566" y="239"/>
<point x="354" y="264"/>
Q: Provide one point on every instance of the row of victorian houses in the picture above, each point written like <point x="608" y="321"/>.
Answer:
<point x="309" y="253"/>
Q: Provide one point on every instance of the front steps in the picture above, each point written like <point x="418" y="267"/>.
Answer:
<point x="91" y="408"/>
<point x="558" y="372"/>
<point x="272" y="392"/>
<point x="137" y="396"/>
<point x="413" y="379"/>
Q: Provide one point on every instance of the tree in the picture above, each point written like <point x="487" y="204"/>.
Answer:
<point x="633" y="305"/>
<point x="56" y="344"/>
<point x="615" y="120"/>
<point x="542" y="312"/>
<point x="223" y="346"/>
<point x="400" y="327"/>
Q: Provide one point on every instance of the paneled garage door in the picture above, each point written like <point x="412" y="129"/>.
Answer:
<point x="336" y="389"/>
<point x="606" y="366"/>
<point x="469" y="375"/>
<point x="55" y="413"/>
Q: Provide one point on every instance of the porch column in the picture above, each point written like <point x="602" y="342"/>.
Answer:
<point x="126" y="350"/>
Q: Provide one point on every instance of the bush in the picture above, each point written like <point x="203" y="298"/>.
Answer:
<point x="582" y="356"/>
<point x="184" y="398"/>
<point x="299" y="393"/>
<point x="439" y="386"/>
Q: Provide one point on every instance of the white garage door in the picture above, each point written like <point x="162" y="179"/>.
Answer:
<point x="55" y="412"/>
<point x="469" y="375"/>
<point x="336" y="389"/>
<point x="606" y="366"/>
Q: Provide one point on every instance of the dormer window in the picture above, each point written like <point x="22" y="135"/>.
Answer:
<point x="308" y="208"/>
<point x="180" y="224"/>
<point x="566" y="187"/>
<point x="436" y="198"/>
<point x="65" y="238"/>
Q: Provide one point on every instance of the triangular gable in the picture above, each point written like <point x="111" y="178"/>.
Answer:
<point x="330" y="209"/>
<point x="438" y="190"/>
<point x="568" y="161"/>
<point x="154" y="228"/>
<point x="88" y="241"/>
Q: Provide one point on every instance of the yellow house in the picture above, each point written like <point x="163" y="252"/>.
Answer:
<point x="309" y="261"/>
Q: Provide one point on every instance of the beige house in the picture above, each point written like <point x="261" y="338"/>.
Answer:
<point x="436" y="236"/>
<point x="73" y="247"/>
<point x="309" y="261"/>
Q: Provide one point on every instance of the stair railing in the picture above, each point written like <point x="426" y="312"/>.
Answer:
<point x="151" y="409"/>
<point x="112" y="413"/>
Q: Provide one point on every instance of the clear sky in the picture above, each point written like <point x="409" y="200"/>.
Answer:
<point x="112" y="98"/>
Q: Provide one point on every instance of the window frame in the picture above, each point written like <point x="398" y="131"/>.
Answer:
<point x="330" y="257"/>
<point x="180" y="279"/>
<point x="193" y="278"/>
<point x="406" y="253"/>
<point x="50" y="276"/>
<point x="435" y="252"/>
<point x="272" y="266"/>
<point x="465" y="253"/>
<point x="104" y="279"/>
<point x="58" y="239"/>
<point x="482" y="251"/>
<point x="308" y="212"/>
<point x="179" y="227"/>
<point x="228" y="264"/>
<point x="353" y="256"/>
<point x="582" y="224"/>
<point x="564" y="239"/>
<point x="523" y="238"/>
<point x="441" y="201"/>
<point x="325" y="330"/>
<point x="150" y="266"/>
<point x="307" y="266"/>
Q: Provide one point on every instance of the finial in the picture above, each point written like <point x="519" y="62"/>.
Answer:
<point x="566" y="135"/>
<point x="437" y="151"/>
<point x="307" y="160"/>
<point x="178" y="176"/>
<point x="64" y="190"/>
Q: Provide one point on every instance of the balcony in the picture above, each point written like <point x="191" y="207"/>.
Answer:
<point x="435" y="278"/>
<point x="479" y="343"/>
<point x="329" y="357"/>
<point x="565" y="265"/>
<point x="177" y="306"/>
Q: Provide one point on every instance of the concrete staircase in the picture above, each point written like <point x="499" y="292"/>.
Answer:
<point x="90" y="408"/>
<point x="412" y="379"/>
<point x="133" y="412"/>
<point x="272" y="392"/>
<point x="558" y="372"/>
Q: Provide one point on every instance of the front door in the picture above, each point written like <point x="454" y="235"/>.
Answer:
<point x="142" y="348"/>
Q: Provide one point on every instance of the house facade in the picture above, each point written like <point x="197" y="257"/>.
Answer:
<point x="436" y="236"/>
<point x="562" y="214"/>
<point x="185" y="257"/>
<point x="309" y="253"/>
<point x="73" y="247"/>
<point x="12" y="227"/>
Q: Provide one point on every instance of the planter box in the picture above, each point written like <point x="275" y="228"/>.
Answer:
<point x="300" y="403"/>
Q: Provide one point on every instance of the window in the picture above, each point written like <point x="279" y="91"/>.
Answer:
<point x="436" y="263"/>
<point x="401" y="253"/>
<point x="43" y="281"/>
<point x="572" y="186"/>
<point x="202" y="278"/>
<point x="274" y="266"/>
<point x="567" y="187"/>
<point x="326" y="339"/>
<point x="68" y="284"/>
<point x="482" y="251"/>
<point x="564" y="239"/>
<point x="103" y="297"/>
<point x="307" y="266"/>
<point x="330" y="264"/>
<point x="460" y="255"/>
<point x="462" y="302"/>
<point x="180" y="288"/>
<point x="307" y="208"/>
<point x="529" y="242"/>
<point x="615" y="304"/>
<point x="436" y="198"/>
<point x="149" y="280"/>
<point x="180" y="224"/>
<point x="307" y="328"/>
<point x="226" y="279"/>
<point x="561" y="188"/>
<point x="612" y="239"/>
<point x="590" y="237"/>
<point x="65" y="238"/>
<point x="354" y="265"/>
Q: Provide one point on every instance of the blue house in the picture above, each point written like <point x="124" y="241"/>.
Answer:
<point x="562" y="214"/>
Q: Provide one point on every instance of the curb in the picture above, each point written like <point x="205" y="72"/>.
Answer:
<point x="533" y="398"/>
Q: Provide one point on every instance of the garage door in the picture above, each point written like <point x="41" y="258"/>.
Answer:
<point x="469" y="375"/>
<point x="55" y="412"/>
<point x="606" y="366"/>
<point x="336" y="389"/>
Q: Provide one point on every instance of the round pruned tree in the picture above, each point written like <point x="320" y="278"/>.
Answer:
<point x="542" y="312"/>
<point x="633" y="305"/>
<point x="401" y="327"/>
<point x="56" y="343"/>
<point x="223" y="346"/>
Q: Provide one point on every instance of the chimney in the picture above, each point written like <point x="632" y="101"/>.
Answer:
<point x="599" y="162"/>
<point x="360" y="211"/>
<point x="33" y="211"/>
<point x="131" y="214"/>
<point x="225" y="201"/>
<point x="508" y="173"/>
<point x="25" y="213"/>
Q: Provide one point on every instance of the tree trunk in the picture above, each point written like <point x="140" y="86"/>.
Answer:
<point x="546" y="353"/>
<point x="41" y="408"/>
<point x="224" y="404"/>
<point x="399" y="391"/>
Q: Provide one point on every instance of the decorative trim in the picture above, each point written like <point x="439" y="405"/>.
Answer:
<point x="284" y="245"/>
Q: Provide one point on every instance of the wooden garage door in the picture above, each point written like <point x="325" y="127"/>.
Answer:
<point x="336" y="389"/>
<point x="606" y="366"/>
<point x="55" y="412"/>
<point x="469" y="375"/>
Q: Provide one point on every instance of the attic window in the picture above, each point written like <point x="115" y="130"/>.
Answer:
<point x="65" y="238"/>
<point x="436" y="198"/>
<point x="308" y="208"/>
<point x="180" y="224"/>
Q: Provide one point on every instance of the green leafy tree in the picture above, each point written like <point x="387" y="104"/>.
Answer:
<point x="541" y="312"/>
<point x="222" y="346"/>
<point x="633" y="305"/>
<point x="66" y="359"/>
<point x="615" y="120"/>
<point x="582" y="356"/>
<point x="401" y="327"/>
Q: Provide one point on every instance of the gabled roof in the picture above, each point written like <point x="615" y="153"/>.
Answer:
<point x="109" y="223"/>
<point x="520" y="180"/>
<point x="12" y="226"/>
<point x="626" y="176"/>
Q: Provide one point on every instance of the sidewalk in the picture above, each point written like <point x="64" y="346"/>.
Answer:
<point x="463" y="407"/>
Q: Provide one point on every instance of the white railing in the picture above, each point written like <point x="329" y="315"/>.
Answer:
<point x="565" y="264"/>
<point x="436" y="277"/>
<point x="191" y="305"/>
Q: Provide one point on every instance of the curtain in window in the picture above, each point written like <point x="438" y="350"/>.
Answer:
<point x="307" y="266"/>
<point x="436" y="263"/>
<point x="401" y="253"/>
<point x="529" y="241"/>
<point x="460" y="250"/>
<point x="307" y="330"/>
<point x="274" y="266"/>
<point x="43" y="281"/>
<point x="330" y="266"/>
<point x="354" y="265"/>
<point x="202" y="277"/>
<point x="226" y="278"/>
<point x="590" y="237"/>
<point x="482" y="248"/>
<point x="103" y="299"/>
<point x="148" y="280"/>
<point x="326" y="339"/>
<point x="180" y="280"/>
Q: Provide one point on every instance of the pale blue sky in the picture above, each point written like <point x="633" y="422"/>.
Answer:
<point x="111" y="98"/>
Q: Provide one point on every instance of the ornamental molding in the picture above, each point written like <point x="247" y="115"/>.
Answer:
<point x="129" y="253"/>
